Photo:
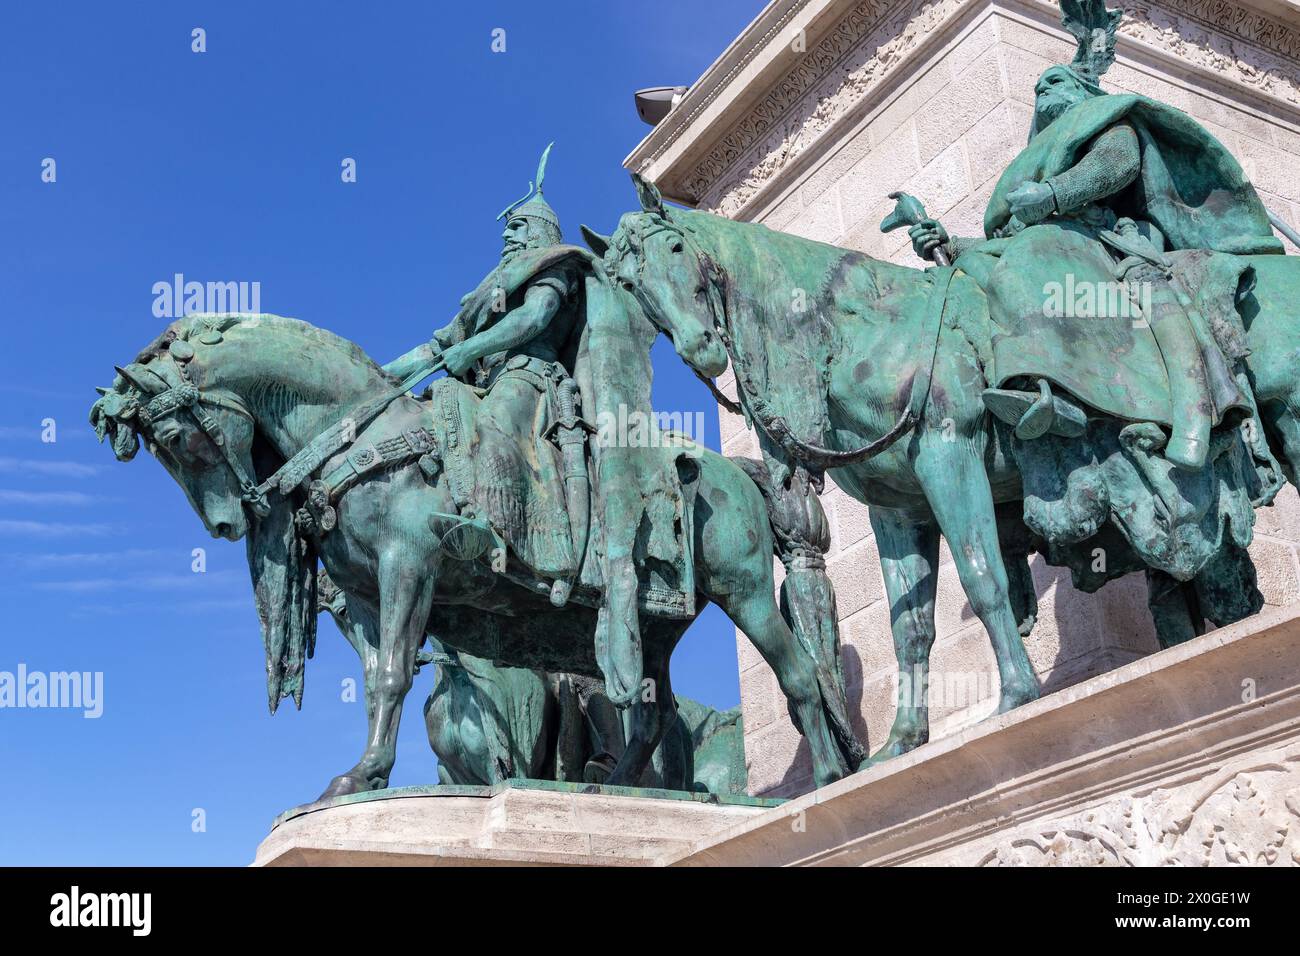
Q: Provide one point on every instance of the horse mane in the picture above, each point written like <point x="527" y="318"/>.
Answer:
<point x="194" y="323"/>
<point x="814" y="265"/>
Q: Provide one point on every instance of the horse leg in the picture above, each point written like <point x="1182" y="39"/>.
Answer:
<point x="406" y="594"/>
<point x="957" y="486"/>
<point x="361" y="627"/>
<point x="1175" y="610"/>
<point x="909" y="560"/>
<point x="648" y="717"/>
<point x="755" y="612"/>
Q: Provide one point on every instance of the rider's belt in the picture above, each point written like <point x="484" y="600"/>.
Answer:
<point x="538" y="370"/>
<point x="364" y="460"/>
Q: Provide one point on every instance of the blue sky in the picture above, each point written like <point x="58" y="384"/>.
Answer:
<point x="225" y="166"/>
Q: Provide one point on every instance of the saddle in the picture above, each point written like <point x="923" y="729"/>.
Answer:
<point x="664" y="558"/>
<point x="1091" y="334"/>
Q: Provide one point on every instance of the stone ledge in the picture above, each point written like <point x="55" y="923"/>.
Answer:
<point x="1188" y="756"/>
<point x="1150" y="763"/>
<point x="518" y="823"/>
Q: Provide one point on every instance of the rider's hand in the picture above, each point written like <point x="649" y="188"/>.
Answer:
<point x="457" y="359"/>
<point x="1032" y="202"/>
<point x="926" y="236"/>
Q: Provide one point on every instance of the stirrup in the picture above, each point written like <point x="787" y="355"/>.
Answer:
<point x="1035" y="415"/>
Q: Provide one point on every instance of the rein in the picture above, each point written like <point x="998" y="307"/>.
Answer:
<point x="340" y="435"/>
<point x="189" y="397"/>
<point x="301" y="466"/>
<point x="812" y="456"/>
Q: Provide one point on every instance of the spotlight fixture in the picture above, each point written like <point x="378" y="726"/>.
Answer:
<point x="655" y="102"/>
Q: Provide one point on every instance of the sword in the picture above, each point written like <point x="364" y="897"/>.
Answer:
<point x="1280" y="225"/>
<point x="570" y="433"/>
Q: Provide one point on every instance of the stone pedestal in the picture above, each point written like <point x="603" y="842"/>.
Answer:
<point x="819" y="110"/>
<point x="520" y="823"/>
<point x="1190" y="756"/>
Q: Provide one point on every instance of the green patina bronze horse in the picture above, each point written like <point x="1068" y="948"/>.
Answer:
<point x="225" y="402"/>
<point x="875" y="373"/>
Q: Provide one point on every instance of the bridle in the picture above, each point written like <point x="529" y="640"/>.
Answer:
<point x="171" y="398"/>
<point x="185" y="396"/>
<point x="815" y="458"/>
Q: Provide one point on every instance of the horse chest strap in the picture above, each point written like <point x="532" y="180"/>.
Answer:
<point x="361" y="462"/>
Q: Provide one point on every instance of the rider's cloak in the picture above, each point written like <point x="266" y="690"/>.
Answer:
<point x="1189" y="185"/>
<point x="481" y="309"/>
<point x="1058" y="305"/>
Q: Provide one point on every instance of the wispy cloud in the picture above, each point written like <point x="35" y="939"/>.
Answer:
<point x="43" y="498"/>
<point x="34" y="433"/>
<point x="188" y="607"/>
<point x="42" y="392"/>
<point x="36" y="466"/>
<point x="77" y="559"/>
<point x="141" y="582"/>
<point x="51" y="529"/>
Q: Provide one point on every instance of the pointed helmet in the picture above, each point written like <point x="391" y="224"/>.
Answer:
<point x="543" y="223"/>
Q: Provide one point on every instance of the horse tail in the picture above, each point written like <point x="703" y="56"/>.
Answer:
<point x="801" y="537"/>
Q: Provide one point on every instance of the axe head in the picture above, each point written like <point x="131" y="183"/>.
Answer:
<point x="908" y="211"/>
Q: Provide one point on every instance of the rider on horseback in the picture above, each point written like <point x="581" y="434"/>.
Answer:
<point x="1116" y="187"/>
<point x="515" y="336"/>
<point x="540" y="320"/>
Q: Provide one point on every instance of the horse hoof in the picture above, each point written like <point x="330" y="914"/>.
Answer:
<point x="599" y="769"/>
<point x="1013" y="697"/>
<point x="895" y="746"/>
<point x="342" y="785"/>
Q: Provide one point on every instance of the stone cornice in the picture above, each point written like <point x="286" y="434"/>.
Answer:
<point x="760" y="107"/>
<point x="736" y="78"/>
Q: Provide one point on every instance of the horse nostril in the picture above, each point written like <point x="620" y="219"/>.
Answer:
<point x="221" y="530"/>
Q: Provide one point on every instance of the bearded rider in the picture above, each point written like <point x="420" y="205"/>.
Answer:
<point x="515" y="336"/>
<point x="1116" y="189"/>
<point x="522" y="336"/>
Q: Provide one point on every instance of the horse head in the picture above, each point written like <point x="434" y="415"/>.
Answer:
<point x="655" y="258"/>
<point x="202" y="433"/>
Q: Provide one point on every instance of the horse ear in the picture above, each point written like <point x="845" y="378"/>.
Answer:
<point x="599" y="244"/>
<point x="651" y="199"/>
<point x="143" y="379"/>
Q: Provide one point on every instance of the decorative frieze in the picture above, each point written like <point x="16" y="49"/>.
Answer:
<point x="877" y="39"/>
<point x="865" y="47"/>
<point x="1245" y="814"/>
<point x="1238" y="43"/>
